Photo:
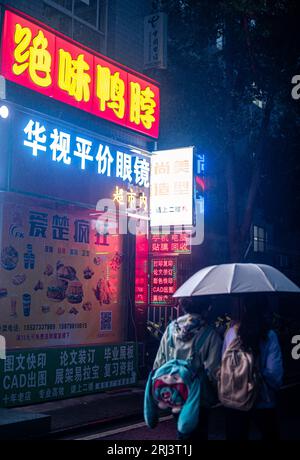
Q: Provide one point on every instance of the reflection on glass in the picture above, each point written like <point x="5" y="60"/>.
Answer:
<point x="86" y="10"/>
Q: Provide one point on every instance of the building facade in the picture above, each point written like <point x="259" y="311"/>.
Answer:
<point x="74" y="188"/>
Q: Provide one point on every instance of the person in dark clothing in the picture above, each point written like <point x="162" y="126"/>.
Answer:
<point x="187" y="331"/>
<point x="257" y="337"/>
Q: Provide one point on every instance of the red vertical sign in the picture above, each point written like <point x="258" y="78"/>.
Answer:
<point x="163" y="280"/>
<point x="141" y="270"/>
<point x="141" y="284"/>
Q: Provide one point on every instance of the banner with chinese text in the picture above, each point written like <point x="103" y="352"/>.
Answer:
<point x="33" y="376"/>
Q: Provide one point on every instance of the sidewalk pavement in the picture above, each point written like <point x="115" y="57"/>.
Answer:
<point x="124" y="405"/>
<point x="106" y="407"/>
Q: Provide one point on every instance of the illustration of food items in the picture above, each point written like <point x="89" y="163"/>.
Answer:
<point x="116" y="261"/>
<point x="19" y="279"/>
<point x="45" y="309"/>
<point x="60" y="311"/>
<point x="74" y="292"/>
<point x="56" y="290"/>
<point x="13" y="307"/>
<point x="103" y="291"/>
<point x="29" y="258"/>
<point x="88" y="273"/>
<point x="9" y="258"/>
<point x="39" y="286"/>
<point x="87" y="306"/>
<point x="97" y="260"/>
<point x="48" y="270"/>
<point x="63" y="283"/>
<point x="3" y="293"/>
<point x="67" y="273"/>
<point x="26" y="304"/>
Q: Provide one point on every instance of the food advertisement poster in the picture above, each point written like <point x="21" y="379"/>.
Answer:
<point x="60" y="281"/>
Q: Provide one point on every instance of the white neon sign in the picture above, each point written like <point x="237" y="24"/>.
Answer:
<point x="171" y="192"/>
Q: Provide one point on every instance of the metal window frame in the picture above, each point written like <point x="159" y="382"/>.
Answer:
<point x="70" y="14"/>
<point x="258" y="239"/>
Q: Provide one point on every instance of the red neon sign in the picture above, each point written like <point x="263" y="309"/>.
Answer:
<point x="141" y="270"/>
<point x="163" y="280"/>
<point x="40" y="59"/>
<point x="176" y="243"/>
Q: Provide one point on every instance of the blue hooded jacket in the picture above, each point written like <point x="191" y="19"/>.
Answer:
<point x="177" y="382"/>
<point x="189" y="414"/>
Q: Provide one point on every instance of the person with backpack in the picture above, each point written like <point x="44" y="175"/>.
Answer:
<point x="251" y="374"/>
<point x="184" y="373"/>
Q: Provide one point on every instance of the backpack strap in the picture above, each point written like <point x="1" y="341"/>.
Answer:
<point x="200" y="342"/>
<point x="202" y="339"/>
<point x="170" y="340"/>
<point x="196" y="349"/>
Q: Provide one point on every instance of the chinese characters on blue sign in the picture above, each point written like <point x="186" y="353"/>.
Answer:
<point x="65" y="162"/>
<point x="65" y="148"/>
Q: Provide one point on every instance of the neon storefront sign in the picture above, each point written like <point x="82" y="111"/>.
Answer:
<point x="45" y="61"/>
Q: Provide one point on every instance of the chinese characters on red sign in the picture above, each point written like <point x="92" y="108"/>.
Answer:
<point x="177" y="243"/>
<point x="34" y="57"/>
<point x="141" y="270"/>
<point x="163" y="280"/>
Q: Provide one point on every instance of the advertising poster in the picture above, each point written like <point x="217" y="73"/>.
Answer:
<point x="31" y="376"/>
<point x="60" y="281"/>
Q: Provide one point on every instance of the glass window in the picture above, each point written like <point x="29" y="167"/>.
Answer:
<point x="87" y="10"/>
<point x="87" y="36"/>
<point x="64" y="3"/>
<point x="283" y="261"/>
<point x="57" y="20"/>
<point x="259" y="239"/>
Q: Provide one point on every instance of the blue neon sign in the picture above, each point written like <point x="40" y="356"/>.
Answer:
<point x="66" y="162"/>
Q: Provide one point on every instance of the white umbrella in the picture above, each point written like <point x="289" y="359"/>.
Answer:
<point x="236" y="279"/>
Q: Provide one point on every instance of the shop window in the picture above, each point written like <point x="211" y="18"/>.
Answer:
<point x="259" y="239"/>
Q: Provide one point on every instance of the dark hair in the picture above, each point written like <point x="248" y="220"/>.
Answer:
<point x="194" y="305"/>
<point x="254" y="325"/>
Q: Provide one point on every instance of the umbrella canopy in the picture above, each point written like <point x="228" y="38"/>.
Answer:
<point x="236" y="279"/>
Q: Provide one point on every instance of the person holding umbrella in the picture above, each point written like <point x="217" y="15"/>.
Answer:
<point x="186" y="333"/>
<point x="252" y="338"/>
<point x="251" y="368"/>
